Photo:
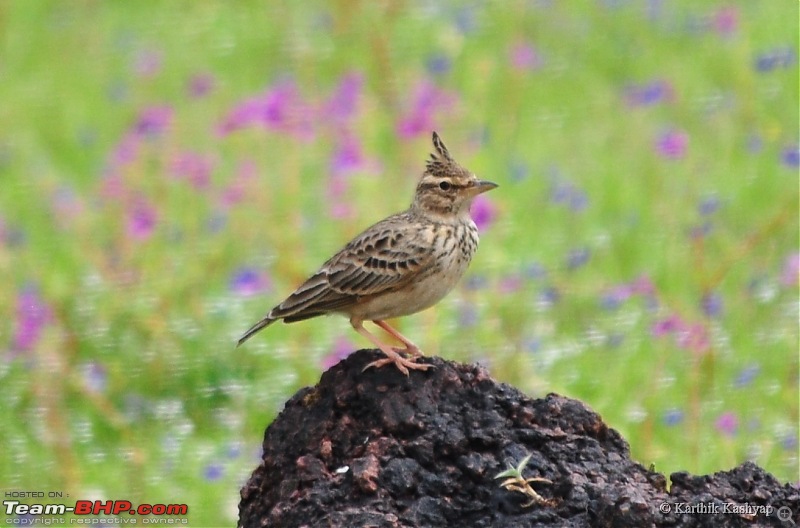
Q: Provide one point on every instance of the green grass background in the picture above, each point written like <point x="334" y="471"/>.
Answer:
<point x="133" y="389"/>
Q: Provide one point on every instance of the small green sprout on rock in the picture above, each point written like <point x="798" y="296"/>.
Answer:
<point x="516" y="482"/>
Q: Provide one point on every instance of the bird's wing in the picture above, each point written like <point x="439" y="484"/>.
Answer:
<point x="385" y="257"/>
<point x="382" y="259"/>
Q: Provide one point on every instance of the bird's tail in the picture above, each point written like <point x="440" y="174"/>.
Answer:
<point x="265" y="322"/>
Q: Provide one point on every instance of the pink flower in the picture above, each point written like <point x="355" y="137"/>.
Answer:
<point x="142" y="221"/>
<point x="200" y="85"/>
<point x="236" y="191"/>
<point x="642" y="285"/>
<point x="672" y="144"/>
<point x="343" y="102"/>
<point x="341" y="349"/>
<point x="32" y="315"/>
<point x="727" y="424"/>
<point x="726" y="20"/>
<point x="483" y="212"/>
<point x="524" y="57"/>
<point x="790" y="275"/>
<point x="193" y="167"/>
<point x="126" y="151"/>
<point x="281" y="108"/>
<point x="249" y="281"/>
<point x="428" y="100"/>
<point x="667" y="326"/>
<point x="153" y="120"/>
<point x="694" y="337"/>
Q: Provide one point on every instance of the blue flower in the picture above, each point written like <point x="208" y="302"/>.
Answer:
<point x="247" y="282"/>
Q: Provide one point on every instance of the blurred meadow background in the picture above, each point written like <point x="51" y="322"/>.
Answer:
<point x="171" y="170"/>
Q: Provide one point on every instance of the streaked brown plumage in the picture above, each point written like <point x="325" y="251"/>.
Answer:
<point x="399" y="266"/>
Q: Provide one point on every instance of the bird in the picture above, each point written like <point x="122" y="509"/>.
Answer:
<point x="399" y="266"/>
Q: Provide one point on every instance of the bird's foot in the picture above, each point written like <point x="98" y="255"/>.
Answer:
<point x="399" y="361"/>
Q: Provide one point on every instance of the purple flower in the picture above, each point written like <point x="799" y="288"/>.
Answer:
<point x="566" y="193"/>
<point x="342" y="348"/>
<point x="549" y="295"/>
<point x="339" y="206"/>
<point x="535" y="271"/>
<point x="519" y="170"/>
<point x="200" y="85"/>
<point x="578" y="257"/>
<point x="142" y="221"/>
<point x="790" y="156"/>
<point x="234" y="449"/>
<point x="789" y="441"/>
<point x="708" y="205"/>
<point x="774" y="59"/>
<point x="348" y="157"/>
<point x="649" y="93"/>
<point x="280" y="108"/>
<point x="284" y="110"/>
<point x="465" y="19"/>
<point x="243" y="115"/>
<point x="247" y="282"/>
<point x="342" y="105"/>
<point x="523" y="56"/>
<point x="193" y="167"/>
<point x="483" y="212"/>
<point x="213" y="472"/>
<point x="712" y="304"/>
<point x="727" y="424"/>
<point x="236" y="191"/>
<point x="673" y="417"/>
<point x="126" y="151"/>
<point x="510" y="284"/>
<point x="693" y="337"/>
<point x="642" y="285"/>
<point x="438" y="64"/>
<point x="747" y="375"/>
<point x="427" y="101"/>
<point x="95" y="377"/>
<point x="790" y="274"/>
<point x="476" y="282"/>
<point x="32" y="315"/>
<point x="672" y="144"/>
<point x="754" y="143"/>
<point x="667" y="326"/>
<point x="153" y="120"/>
<point x="613" y="299"/>
<point x="726" y="20"/>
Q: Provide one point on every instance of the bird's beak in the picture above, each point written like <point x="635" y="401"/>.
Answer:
<point x="481" y="186"/>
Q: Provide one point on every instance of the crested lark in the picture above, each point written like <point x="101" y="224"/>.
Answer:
<point x="399" y="266"/>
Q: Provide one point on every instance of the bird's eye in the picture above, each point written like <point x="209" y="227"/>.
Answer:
<point x="445" y="186"/>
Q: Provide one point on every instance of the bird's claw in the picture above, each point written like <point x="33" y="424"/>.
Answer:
<point x="402" y="364"/>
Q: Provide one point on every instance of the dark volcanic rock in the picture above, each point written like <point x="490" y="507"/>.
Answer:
<point x="380" y="449"/>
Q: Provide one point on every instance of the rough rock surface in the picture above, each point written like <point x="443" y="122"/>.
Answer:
<point x="380" y="449"/>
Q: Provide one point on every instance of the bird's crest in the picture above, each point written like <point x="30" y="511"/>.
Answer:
<point x="440" y="163"/>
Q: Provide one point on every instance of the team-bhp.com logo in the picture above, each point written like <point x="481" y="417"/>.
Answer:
<point x="85" y="507"/>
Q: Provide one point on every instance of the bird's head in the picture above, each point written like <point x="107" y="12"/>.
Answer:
<point x="447" y="188"/>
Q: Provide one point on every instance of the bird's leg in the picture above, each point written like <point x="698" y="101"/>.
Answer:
<point x="411" y="348"/>
<point x="399" y="361"/>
